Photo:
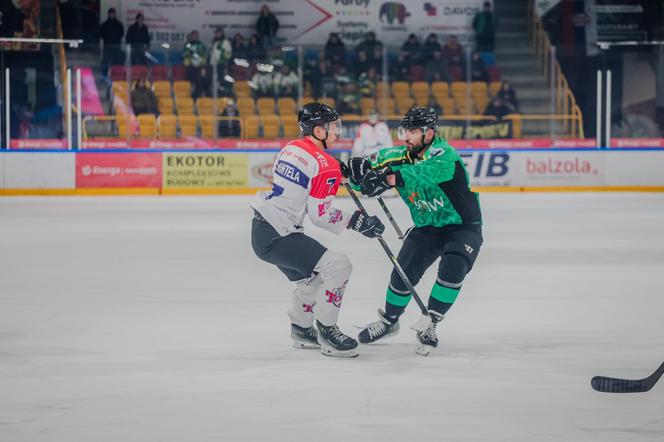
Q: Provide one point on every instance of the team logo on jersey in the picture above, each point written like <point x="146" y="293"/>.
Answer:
<point x="308" y="308"/>
<point x="335" y="296"/>
<point x="336" y="216"/>
<point x="424" y="205"/>
<point x="291" y="173"/>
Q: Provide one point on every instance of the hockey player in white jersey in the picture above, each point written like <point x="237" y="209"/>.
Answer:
<point x="372" y="136"/>
<point x="305" y="182"/>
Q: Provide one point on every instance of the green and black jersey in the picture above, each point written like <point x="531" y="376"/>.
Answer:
<point x="435" y="188"/>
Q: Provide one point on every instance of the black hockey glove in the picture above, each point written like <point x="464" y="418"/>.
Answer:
<point x="357" y="168"/>
<point x="375" y="182"/>
<point x="369" y="226"/>
<point x="345" y="171"/>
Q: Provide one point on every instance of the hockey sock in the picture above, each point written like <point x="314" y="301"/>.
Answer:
<point x="442" y="297"/>
<point x="395" y="303"/>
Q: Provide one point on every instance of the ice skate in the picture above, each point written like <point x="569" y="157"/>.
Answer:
<point x="334" y="342"/>
<point x="427" y="339"/>
<point x="306" y="338"/>
<point x="379" y="329"/>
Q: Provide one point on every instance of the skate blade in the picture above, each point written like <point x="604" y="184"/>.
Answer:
<point x="422" y="324"/>
<point x="330" y="352"/>
<point x="424" y="350"/>
<point x="305" y="345"/>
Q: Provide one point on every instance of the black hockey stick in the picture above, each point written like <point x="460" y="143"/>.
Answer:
<point x="390" y="217"/>
<point x="425" y="320"/>
<point x="614" y="385"/>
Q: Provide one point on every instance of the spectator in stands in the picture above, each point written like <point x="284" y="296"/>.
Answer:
<point x="378" y="58"/>
<point x="434" y="104"/>
<point x="202" y="84"/>
<point x="412" y="50"/>
<point x="431" y="44"/>
<point x="369" y="44"/>
<point x="255" y="50"/>
<point x="111" y="33"/>
<point x="454" y="57"/>
<point x="220" y="51"/>
<point x="497" y="108"/>
<point x="335" y="51"/>
<point x="138" y="38"/>
<point x="362" y="63"/>
<point x="239" y="47"/>
<point x="367" y="82"/>
<point x="478" y="69"/>
<point x="229" y="127"/>
<point x="484" y="25"/>
<point x="508" y="96"/>
<point x="267" y="26"/>
<point x="347" y="99"/>
<point x="399" y="70"/>
<point x="143" y="100"/>
<point x="328" y="82"/>
<point x="263" y="81"/>
<point x="194" y="56"/>
<point x="434" y="70"/>
<point x="312" y="76"/>
<point x="286" y="82"/>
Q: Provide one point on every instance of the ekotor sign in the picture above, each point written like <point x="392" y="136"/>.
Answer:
<point x="304" y="21"/>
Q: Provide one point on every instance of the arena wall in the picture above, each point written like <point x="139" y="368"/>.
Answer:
<point x="246" y="171"/>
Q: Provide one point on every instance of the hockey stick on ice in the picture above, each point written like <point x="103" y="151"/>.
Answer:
<point x="390" y="217"/>
<point x="425" y="320"/>
<point x="615" y="385"/>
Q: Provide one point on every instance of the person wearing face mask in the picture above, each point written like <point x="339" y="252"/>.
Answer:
<point x="305" y="182"/>
<point x="432" y="181"/>
<point x="372" y="136"/>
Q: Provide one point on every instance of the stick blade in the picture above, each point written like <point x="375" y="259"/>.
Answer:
<point x="605" y="384"/>
<point x="422" y="324"/>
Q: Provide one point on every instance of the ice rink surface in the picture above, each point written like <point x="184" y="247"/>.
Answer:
<point x="150" y="319"/>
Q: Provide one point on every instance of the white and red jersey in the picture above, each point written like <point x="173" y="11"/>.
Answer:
<point x="371" y="138"/>
<point x="305" y="181"/>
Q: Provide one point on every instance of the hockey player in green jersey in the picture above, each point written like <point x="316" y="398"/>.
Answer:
<point x="432" y="180"/>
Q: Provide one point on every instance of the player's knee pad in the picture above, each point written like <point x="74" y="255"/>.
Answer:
<point x="334" y="265"/>
<point x="453" y="268"/>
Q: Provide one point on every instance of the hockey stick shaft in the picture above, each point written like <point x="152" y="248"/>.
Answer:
<point x="616" y="385"/>
<point x="390" y="217"/>
<point x="389" y="253"/>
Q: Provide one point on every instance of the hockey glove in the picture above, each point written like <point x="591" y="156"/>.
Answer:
<point x="375" y="182"/>
<point x="357" y="168"/>
<point x="369" y="226"/>
<point x="345" y="171"/>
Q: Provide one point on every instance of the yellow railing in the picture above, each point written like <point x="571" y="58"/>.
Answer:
<point x="565" y="102"/>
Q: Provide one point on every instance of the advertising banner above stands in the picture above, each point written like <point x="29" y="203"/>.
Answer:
<point x="306" y="22"/>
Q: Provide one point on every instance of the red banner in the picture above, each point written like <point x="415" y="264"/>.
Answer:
<point x="118" y="170"/>
<point x="637" y="142"/>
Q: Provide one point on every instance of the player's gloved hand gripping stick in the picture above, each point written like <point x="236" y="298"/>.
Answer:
<point x="425" y="321"/>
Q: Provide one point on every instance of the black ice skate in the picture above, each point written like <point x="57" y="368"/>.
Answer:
<point x="427" y="339"/>
<point x="334" y="343"/>
<point x="304" y="337"/>
<point x="379" y="329"/>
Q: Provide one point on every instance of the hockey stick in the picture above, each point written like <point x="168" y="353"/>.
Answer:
<point x="615" y="385"/>
<point x="390" y="217"/>
<point x="425" y="321"/>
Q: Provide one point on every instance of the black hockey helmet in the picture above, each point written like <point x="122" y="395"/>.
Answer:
<point x="418" y="118"/>
<point x="318" y="114"/>
<point x="315" y="114"/>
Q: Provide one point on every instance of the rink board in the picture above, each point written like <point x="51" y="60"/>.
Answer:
<point x="114" y="172"/>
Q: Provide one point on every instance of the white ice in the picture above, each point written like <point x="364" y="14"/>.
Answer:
<point x="150" y="319"/>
